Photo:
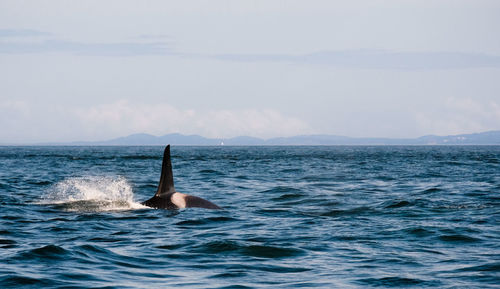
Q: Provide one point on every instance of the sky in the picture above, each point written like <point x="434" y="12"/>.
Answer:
<point x="96" y="70"/>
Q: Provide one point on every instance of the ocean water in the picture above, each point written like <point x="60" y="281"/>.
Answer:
<point x="294" y="217"/>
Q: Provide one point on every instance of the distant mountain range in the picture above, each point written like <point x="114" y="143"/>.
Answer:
<point x="484" y="138"/>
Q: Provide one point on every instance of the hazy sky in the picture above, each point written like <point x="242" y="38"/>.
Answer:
<point x="95" y="70"/>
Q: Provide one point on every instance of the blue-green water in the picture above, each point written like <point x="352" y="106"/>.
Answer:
<point x="294" y="217"/>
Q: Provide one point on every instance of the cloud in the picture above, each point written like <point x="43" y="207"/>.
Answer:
<point x="23" y="41"/>
<point x="22" y="120"/>
<point x="33" y="41"/>
<point x="124" y="117"/>
<point x="460" y="115"/>
<point x="31" y="122"/>
<point x="4" y="33"/>
<point x="102" y="49"/>
<point x="376" y="59"/>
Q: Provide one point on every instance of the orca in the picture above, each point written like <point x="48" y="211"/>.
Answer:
<point x="167" y="197"/>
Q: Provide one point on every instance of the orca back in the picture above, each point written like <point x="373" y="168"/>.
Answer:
<point x="163" y="197"/>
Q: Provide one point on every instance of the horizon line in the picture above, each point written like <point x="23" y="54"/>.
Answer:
<point x="222" y="139"/>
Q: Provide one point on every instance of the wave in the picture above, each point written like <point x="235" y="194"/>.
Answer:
<point x="396" y="281"/>
<point x="92" y="194"/>
<point x="259" y="251"/>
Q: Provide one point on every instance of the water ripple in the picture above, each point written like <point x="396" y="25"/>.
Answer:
<point x="295" y="217"/>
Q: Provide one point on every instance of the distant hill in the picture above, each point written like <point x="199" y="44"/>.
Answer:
<point x="484" y="138"/>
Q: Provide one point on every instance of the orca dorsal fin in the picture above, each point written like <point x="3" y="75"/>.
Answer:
<point x="166" y="184"/>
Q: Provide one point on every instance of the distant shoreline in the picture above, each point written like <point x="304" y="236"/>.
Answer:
<point x="484" y="138"/>
<point x="236" y="146"/>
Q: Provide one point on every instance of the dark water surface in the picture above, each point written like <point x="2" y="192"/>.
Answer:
<point x="295" y="217"/>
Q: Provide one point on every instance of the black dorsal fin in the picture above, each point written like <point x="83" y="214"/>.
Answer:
<point x="166" y="184"/>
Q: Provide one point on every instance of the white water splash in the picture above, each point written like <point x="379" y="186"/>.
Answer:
<point x="93" y="194"/>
